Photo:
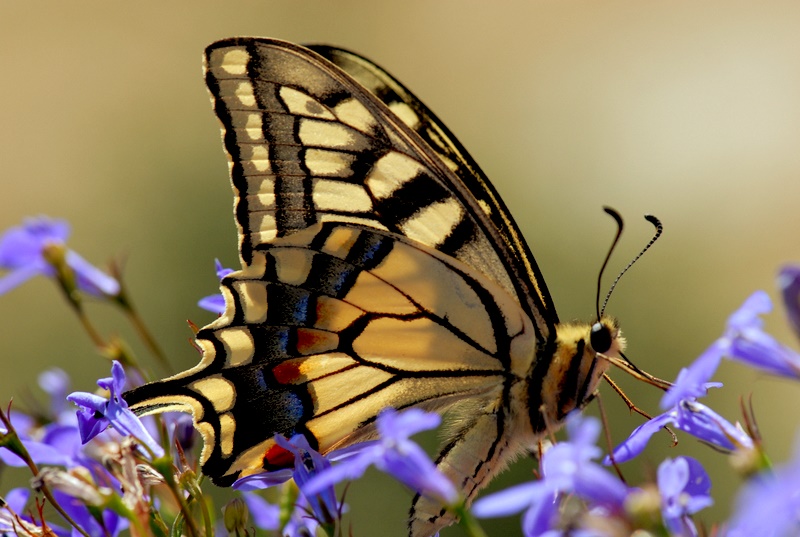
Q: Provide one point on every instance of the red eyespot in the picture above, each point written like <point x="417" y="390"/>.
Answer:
<point x="286" y="373"/>
<point x="277" y="457"/>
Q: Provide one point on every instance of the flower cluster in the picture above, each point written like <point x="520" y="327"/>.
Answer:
<point x="98" y="469"/>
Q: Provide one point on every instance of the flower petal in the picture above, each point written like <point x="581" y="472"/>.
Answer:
<point x="639" y="438"/>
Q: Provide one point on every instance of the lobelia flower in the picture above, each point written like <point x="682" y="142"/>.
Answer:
<point x="266" y="516"/>
<point x="746" y="342"/>
<point x="308" y="463"/>
<point x="743" y="338"/>
<point x="215" y="303"/>
<point x="11" y="517"/>
<point x="567" y="468"/>
<point x="769" y="504"/>
<point x="394" y="454"/>
<point x="789" y="284"/>
<point x="692" y="417"/>
<point x="55" y="382"/>
<point x="97" y="413"/>
<point x="23" y="252"/>
<point x="685" y="489"/>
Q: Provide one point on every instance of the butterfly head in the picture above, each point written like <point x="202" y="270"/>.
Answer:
<point x="570" y="379"/>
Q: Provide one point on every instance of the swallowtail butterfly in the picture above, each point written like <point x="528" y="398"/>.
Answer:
<point x="380" y="268"/>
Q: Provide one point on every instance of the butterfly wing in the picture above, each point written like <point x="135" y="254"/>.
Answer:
<point x="379" y="268"/>
<point x="438" y="138"/>
<point x="308" y="143"/>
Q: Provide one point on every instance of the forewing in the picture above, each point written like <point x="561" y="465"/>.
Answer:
<point x="310" y="144"/>
<point x="419" y="118"/>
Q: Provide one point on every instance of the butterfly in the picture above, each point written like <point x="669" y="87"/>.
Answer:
<point x="379" y="268"/>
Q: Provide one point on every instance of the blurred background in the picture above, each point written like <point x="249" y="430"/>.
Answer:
<point x="686" y="110"/>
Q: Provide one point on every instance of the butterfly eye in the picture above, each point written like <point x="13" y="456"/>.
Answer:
<point x="600" y="337"/>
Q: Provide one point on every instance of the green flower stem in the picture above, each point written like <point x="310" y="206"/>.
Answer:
<point x="123" y="300"/>
<point x="189" y="480"/>
<point x="116" y="504"/>
<point x="289" y="495"/>
<point x="467" y="521"/>
<point x="163" y="466"/>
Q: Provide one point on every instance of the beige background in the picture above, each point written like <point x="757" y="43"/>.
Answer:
<point x="688" y="110"/>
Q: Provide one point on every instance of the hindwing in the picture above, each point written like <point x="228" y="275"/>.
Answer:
<point x="336" y="323"/>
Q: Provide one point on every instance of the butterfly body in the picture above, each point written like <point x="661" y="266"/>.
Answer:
<point x="379" y="269"/>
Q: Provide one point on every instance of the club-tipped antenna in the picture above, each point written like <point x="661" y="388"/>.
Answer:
<point x="616" y="216"/>
<point x="659" y="228"/>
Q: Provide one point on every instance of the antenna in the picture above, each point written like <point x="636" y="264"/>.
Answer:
<point x="659" y="229"/>
<point x="615" y="215"/>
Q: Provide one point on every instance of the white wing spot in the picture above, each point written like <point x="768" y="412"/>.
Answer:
<point x="330" y="194"/>
<point x="227" y="426"/>
<point x="258" y="156"/>
<point x="390" y="173"/>
<point x="485" y="207"/>
<point x="322" y="162"/>
<point x="292" y="265"/>
<point x="323" y="134"/>
<point x="253" y="300"/>
<point x="405" y="113"/>
<point x="254" y="127"/>
<point x="238" y="345"/>
<point x="434" y="223"/>
<point x="354" y="113"/>
<point x="217" y="390"/>
<point x="234" y="61"/>
<point x="302" y="104"/>
<point x="244" y="92"/>
<point x="263" y="227"/>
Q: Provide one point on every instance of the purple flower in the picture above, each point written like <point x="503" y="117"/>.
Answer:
<point x="307" y="464"/>
<point x="394" y="454"/>
<point x="685" y="489"/>
<point x="55" y="382"/>
<point x="769" y="505"/>
<point x="215" y="303"/>
<point x="789" y="283"/>
<point x="750" y="345"/>
<point x="97" y="413"/>
<point x="41" y="450"/>
<point x="265" y="516"/>
<point x="567" y="468"/>
<point x="693" y="381"/>
<point x="22" y="253"/>
<point x="745" y="341"/>
<point x="106" y="524"/>
<point x="691" y="417"/>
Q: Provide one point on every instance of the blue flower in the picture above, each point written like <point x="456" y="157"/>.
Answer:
<point x="215" y="303"/>
<point x="789" y="283"/>
<point x="394" y="454"/>
<point x="685" y="489"/>
<point x="769" y="505"/>
<point x="23" y="253"/>
<point x="567" y="468"/>
<point x="691" y="417"/>
<point x="265" y="516"/>
<point x="97" y="413"/>
<point x="693" y="381"/>
<point x="55" y="382"/>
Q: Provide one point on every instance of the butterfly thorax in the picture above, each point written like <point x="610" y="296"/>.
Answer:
<point x="565" y="376"/>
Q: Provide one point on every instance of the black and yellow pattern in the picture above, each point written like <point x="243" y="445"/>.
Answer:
<point x="379" y="268"/>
